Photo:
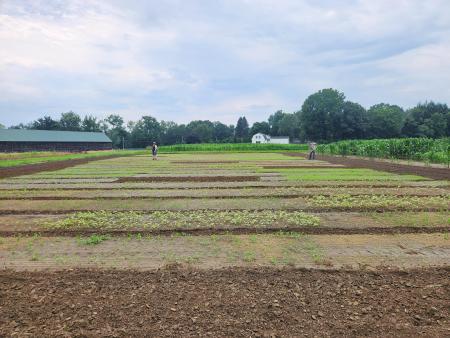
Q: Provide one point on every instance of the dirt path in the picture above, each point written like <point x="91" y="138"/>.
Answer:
<point x="243" y="302"/>
<point x="396" y="168"/>
<point x="48" y="166"/>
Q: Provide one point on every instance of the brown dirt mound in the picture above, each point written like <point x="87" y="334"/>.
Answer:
<point x="238" y="302"/>
<point x="50" y="166"/>
<point x="230" y="230"/>
<point x="189" y="179"/>
<point x="396" y="168"/>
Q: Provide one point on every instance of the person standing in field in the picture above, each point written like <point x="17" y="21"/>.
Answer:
<point x="312" y="150"/>
<point x="155" y="151"/>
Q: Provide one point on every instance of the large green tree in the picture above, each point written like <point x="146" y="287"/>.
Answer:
<point x="146" y="131"/>
<point x="45" y="123"/>
<point x="427" y="119"/>
<point x="289" y="125"/>
<point x="385" y="121"/>
<point x="284" y="124"/>
<point x="70" y="121"/>
<point x="90" y="123"/>
<point x="274" y="123"/>
<point x="199" y="131"/>
<point x="353" y="123"/>
<point x="171" y="133"/>
<point x="242" y="130"/>
<point x="222" y="132"/>
<point x="114" y="127"/>
<point x="321" y="114"/>
<point x="260" y="127"/>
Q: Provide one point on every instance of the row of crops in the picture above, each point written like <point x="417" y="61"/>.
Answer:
<point x="418" y="149"/>
<point x="221" y="147"/>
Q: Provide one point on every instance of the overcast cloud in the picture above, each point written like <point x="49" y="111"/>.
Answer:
<point x="203" y="59"/>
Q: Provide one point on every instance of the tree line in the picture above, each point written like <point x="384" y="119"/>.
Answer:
<point x="325" y="116"/>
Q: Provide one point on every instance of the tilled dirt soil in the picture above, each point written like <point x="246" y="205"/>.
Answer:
<point x="238" y="302"/>
<point x="431" y="172"/>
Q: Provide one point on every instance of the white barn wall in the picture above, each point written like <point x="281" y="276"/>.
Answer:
<point x="279" y="140"/>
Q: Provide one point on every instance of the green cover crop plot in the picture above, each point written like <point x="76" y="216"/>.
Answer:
<point x="19" y="159"/>
<point x="342" y="174"/>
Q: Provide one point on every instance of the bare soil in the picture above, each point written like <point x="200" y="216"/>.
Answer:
<point x="396" y="168"/>
<point x="235" y="302"/>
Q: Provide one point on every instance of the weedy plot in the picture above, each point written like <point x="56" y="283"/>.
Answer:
<point x="183" y="220"/>
<point x="313" y="203"/>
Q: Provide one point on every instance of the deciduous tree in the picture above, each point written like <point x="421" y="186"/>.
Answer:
<point x="90" y="123"/>
<point x="321" y="114"/>
<point x="45" y="123"/>
<point x="427" y="119"/>
<point x="385" y="121"/>
<point x="70" y="121"/>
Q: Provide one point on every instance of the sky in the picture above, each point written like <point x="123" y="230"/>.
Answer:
<point x="184" y="60"/>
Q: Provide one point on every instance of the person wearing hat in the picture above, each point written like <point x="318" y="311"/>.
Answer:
<point x="155" y="151"/>
<point x="312" y="150"/>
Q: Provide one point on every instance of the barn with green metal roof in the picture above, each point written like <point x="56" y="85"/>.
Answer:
<point x="19" y="140"/>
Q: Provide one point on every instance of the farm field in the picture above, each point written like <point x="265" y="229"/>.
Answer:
<point x="411" y="149"/>
<point x="29" y="158"/>
<point x="220" y="244"/>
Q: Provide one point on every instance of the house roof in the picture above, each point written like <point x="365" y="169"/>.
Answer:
<point x="25" y="135"/>
<point x="279" y="137"/>
<point x="267" y="137"/>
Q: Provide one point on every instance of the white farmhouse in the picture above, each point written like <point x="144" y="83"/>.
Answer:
<point x="263" y="138"/>
<point x="260" y="138"/>
<point x="279" y="139"/>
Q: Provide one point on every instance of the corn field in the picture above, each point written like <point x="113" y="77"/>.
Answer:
<point x="232" y="147"/>
<point x="417" y="149"/>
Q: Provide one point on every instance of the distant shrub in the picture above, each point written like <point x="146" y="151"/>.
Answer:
<point x="231" y="147"/>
